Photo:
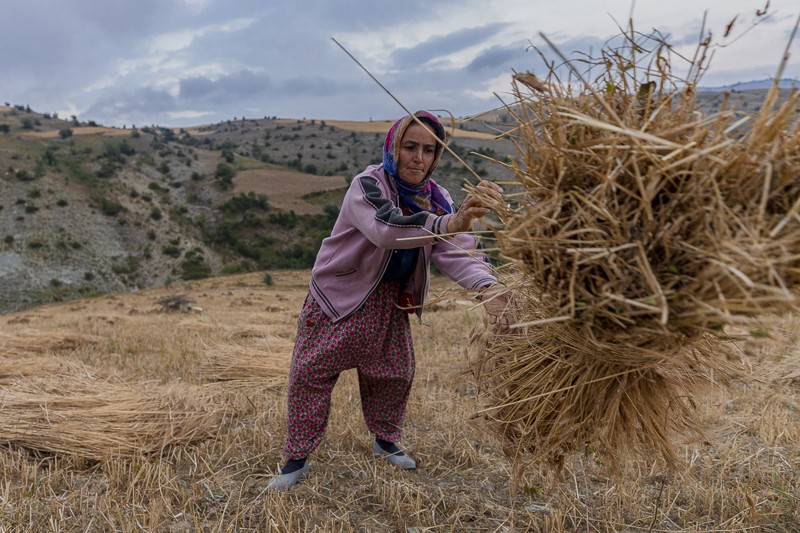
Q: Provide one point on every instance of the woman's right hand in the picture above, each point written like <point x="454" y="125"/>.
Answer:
<point x="478" y="203"/>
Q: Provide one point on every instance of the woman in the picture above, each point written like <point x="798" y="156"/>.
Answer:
<point x="369" y="274"/>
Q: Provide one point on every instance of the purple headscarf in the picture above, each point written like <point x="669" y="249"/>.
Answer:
<point x="425" y="196"/>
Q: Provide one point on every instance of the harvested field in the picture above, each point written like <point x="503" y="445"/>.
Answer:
<point x="744" y="476"/>
<point x="81" y="130"/>
<point x="383" y="126"/>
<point x="286" y="188"/>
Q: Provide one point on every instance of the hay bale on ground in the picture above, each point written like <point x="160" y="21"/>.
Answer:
<point x="644" y="229"/>
<point x="97" y="419"/>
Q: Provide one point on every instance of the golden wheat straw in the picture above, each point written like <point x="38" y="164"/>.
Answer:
<point x="641" y="234"/>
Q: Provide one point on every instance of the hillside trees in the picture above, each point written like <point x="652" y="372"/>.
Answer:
<point x="224" y="175"/>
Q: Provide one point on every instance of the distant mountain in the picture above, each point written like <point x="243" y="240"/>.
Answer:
<point x="785" y="83"/>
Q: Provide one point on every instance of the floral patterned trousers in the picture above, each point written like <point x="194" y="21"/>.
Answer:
<point x="375" y="340"/>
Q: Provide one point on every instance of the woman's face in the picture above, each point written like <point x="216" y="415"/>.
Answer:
<point x="417" y="152"/>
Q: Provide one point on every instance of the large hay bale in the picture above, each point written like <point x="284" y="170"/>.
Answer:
<point x="643" y="229"/>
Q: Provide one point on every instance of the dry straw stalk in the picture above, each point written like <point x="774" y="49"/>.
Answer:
<point x="643" y="230"/>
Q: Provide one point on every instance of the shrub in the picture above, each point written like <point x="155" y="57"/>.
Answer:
<point x="225" y="174"/>
<point x="232" y="268"/>
<point x="8" y="239"/>
<point x="49" y="156"/>
<point x="125" y="148"/>
<point x="171" y="250"/>
<point x="110" y="207"/>
<point x="107" y="169"/>
<point x="283" y="219"/>
<point x="65" y="133"/>
<point x="23" y="175"/>
<point x="155" y="213"/>
<point x="242" y="202"/>
<point x="61" y="202"/>
<point x="194" y="266"/>
<point x="268" y="279"/>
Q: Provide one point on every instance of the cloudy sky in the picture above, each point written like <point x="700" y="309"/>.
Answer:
<point x="187" y="62"/>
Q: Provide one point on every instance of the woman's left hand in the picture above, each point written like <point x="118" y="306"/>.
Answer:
<point x="478" y="203"/>
<point x="497" y="302"/>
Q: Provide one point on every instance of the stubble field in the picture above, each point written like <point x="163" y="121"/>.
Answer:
<point x="226" y="353"/>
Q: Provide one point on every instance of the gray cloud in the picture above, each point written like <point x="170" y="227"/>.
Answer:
<point x="130" y="107"/>
<point x="442" y="45"/>
<point x="497" y="58"/>
<point x="156" y="61"/>
<point x="243" y="84"/>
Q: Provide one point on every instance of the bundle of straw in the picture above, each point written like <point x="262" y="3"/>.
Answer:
<point x="643" y="229"/>
<point x="13" y="368"/>
<point x="33" y="341"/>
<point x="262" y="362"/>
<point x="97" y="419"/>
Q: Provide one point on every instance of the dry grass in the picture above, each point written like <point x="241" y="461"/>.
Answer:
<point x="745" y="477"/>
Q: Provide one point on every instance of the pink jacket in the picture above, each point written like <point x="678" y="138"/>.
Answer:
<point x="351" y="262"/>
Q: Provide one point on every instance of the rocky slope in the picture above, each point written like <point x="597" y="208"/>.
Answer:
<point x="87" y="210"/>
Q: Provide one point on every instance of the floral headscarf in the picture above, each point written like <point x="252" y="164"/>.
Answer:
<point x="425" y="196"/>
